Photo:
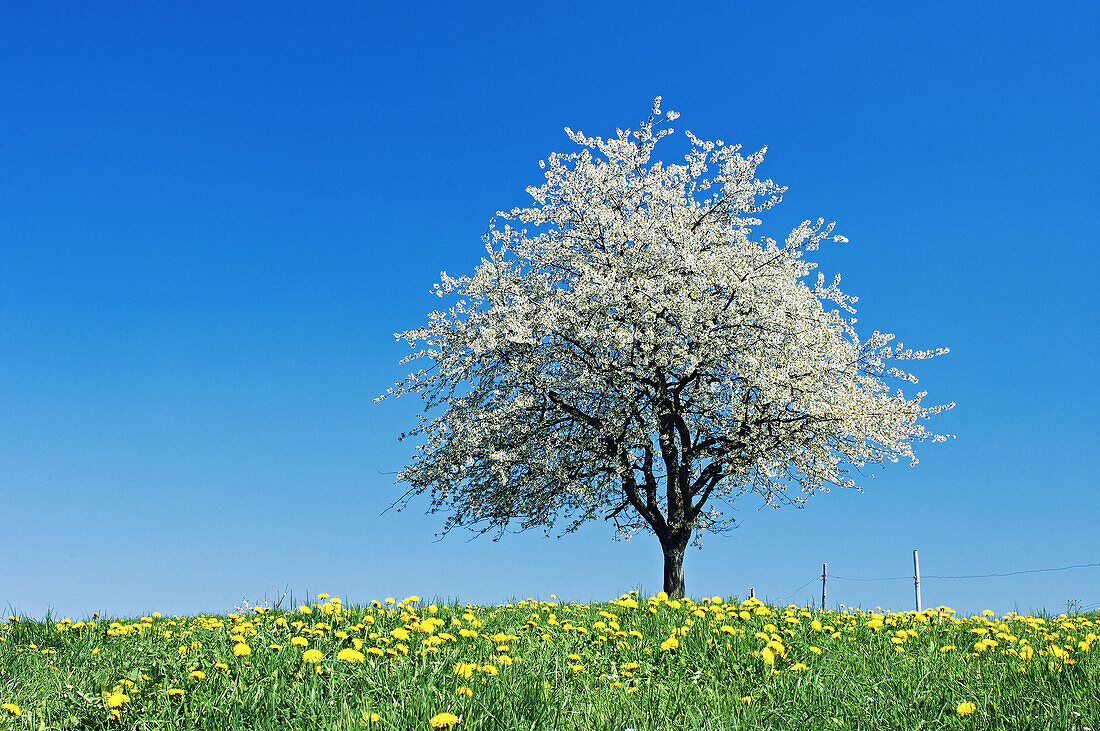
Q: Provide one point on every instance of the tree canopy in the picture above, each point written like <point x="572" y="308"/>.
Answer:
<point x="644" y="359"/>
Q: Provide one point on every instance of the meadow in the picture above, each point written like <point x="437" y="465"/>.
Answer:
<point x="631" y="663"/>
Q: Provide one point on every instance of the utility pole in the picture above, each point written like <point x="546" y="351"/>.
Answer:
<point x="824" y="568"/>
<point x="916" y="577"/>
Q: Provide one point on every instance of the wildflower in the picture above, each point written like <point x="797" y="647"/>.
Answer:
<point x="350" y="655"/>
<point x="400" y="633"/>
<point x="443" y="720"/>
<point x="299" y="641"/>
<point x="241" y="649"/>
<point x="463" y="690"/>
<point x="798" y="666"/>
<point x="11" y="707"/>
<point x="815" y="650"/>
<point x="369" y="718"/>
<point x="670" y="644"/>
<point x="198" y="675"/>
<point x="175" y="691"/>
<point x="465" y="669"/>
<point x="312" y="655"/>
<point x="577" y="668"/>
<point x="768" y="655"/>
<point x="115" y="700"/>
<point x="221" y="666"/>
<point x="965" y="708"/>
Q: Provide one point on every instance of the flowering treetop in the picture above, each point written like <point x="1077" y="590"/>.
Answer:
<point x="643" y="339"/>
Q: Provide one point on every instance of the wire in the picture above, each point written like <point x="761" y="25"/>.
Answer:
<point x="793" y="593"/>
<point x="968" y="576"/>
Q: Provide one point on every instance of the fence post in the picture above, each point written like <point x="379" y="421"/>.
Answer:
<point x="752" y="592"/>
<point x="824" y="568"/>
<point x="916" y="577"/>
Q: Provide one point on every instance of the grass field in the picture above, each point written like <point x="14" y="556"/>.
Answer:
<point x="632" y="663"/>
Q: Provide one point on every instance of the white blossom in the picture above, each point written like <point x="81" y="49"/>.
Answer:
<point x="645" y="357"/>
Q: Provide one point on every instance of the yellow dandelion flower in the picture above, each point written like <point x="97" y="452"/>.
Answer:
<point x="221" y="666"/>
<point x="463" y="690"/>
<point x="768" y="656"/>
<point x="965" y="708"/>
<point x="241" y="649"/>
<point x="350" y="655"/>
<point x="400" y="633"/>
<point x="798" y="666"/>
<point x="577" y="668"/>
<point x="299" y="641"/>
<point x="198" y="675"/>
<point x="312" y="655"/>
<point x="670" y="644"/>
<point x="464" y="669"/>
<point x="815" y="650"/>
<point x="369" y="718"/>
<point x="443" y="720"/>
<point x="115" y="700"/>
<point x="175" y="691"/>
<point x="11" y="707"/>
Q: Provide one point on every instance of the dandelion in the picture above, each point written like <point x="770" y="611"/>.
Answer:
<point x="670" y="644"/>
<point x="312" y="655"/>
<point x="350" y="655"/>
<point x="443" y="720"/>
<point x="965" y="708"/>
<point x="221" y="666"/>
<point x="369" y="718"/>
<point x="465" y="669"/>
<point x="815" y="649"/>
<point x="463" y="690"/>
<point x="400" y="633"/>
<point x="241" y="649"/>
<point x="299" y="641"/>
<point x="175" y="691"/>
<point x="198" y="675"/>
<point x="115" y="700"/>
<point x="11" y="707"/>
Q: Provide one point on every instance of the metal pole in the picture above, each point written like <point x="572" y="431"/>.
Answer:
<point x="824" y="570"/>
<point x="916" y="577"/>
<point x="752" y="592"/>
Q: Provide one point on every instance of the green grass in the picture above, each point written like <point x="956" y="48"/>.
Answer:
<point x="74" y="675"/>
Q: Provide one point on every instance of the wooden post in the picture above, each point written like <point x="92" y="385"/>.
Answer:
<point x="916" y="577"/>
<point x="752" y="592"/>
<point x="824" y="569"/>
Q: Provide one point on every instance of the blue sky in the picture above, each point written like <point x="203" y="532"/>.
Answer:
<point x="213" y="220"/>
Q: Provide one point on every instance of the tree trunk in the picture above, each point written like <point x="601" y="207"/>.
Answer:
<point x="674" y="569"/>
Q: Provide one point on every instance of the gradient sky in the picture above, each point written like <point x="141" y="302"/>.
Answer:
<point x="214" y="219"/>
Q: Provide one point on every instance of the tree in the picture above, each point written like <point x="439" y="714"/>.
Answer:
<point x="645" y="358"/>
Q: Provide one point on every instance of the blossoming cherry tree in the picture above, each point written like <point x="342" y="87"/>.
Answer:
<point x="643" y="359"/>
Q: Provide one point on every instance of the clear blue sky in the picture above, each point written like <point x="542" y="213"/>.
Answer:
<point x="213" y="220"/>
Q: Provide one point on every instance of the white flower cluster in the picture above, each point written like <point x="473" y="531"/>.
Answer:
<point x="643" y="355"/>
